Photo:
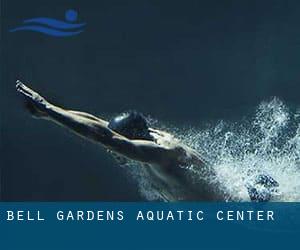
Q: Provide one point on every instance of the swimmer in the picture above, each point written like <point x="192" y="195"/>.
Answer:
<point x="129" y="136"/>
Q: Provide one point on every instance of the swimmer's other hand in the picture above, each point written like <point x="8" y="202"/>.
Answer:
<point x="34" y="103"/>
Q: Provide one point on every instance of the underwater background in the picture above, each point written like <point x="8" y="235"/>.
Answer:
<point x="222" y="75"/>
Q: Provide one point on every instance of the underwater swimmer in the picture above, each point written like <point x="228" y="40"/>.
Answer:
<point x="129" y="135"/>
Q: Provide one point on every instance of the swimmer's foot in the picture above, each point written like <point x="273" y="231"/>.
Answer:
<point x="34" y="103"/>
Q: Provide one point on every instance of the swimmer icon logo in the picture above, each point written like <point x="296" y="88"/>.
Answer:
<point x="53" y="27"/>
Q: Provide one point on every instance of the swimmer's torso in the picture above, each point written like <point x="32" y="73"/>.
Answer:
<point x="177" y="179"/>
<point x="180" y="183"/>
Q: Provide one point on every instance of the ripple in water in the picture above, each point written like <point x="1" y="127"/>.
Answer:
<point x="268" y="142"/>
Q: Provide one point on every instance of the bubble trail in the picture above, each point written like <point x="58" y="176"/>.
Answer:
<point x="266" y="142"/>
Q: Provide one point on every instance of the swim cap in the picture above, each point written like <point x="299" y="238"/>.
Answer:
<point x="132" y="125"/>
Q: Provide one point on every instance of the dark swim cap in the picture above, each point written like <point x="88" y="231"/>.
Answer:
<point x="132" y="125"/>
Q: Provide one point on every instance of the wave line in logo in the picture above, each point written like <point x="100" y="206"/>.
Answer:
<point x="53" y="27"/>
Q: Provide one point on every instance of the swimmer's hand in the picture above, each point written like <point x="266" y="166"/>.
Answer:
<point x="35" y="103"/>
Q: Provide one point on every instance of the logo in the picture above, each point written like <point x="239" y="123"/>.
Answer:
<point x="53" y="27"/>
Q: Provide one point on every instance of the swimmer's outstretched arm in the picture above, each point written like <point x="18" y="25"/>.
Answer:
<point x="95" y="129"/>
